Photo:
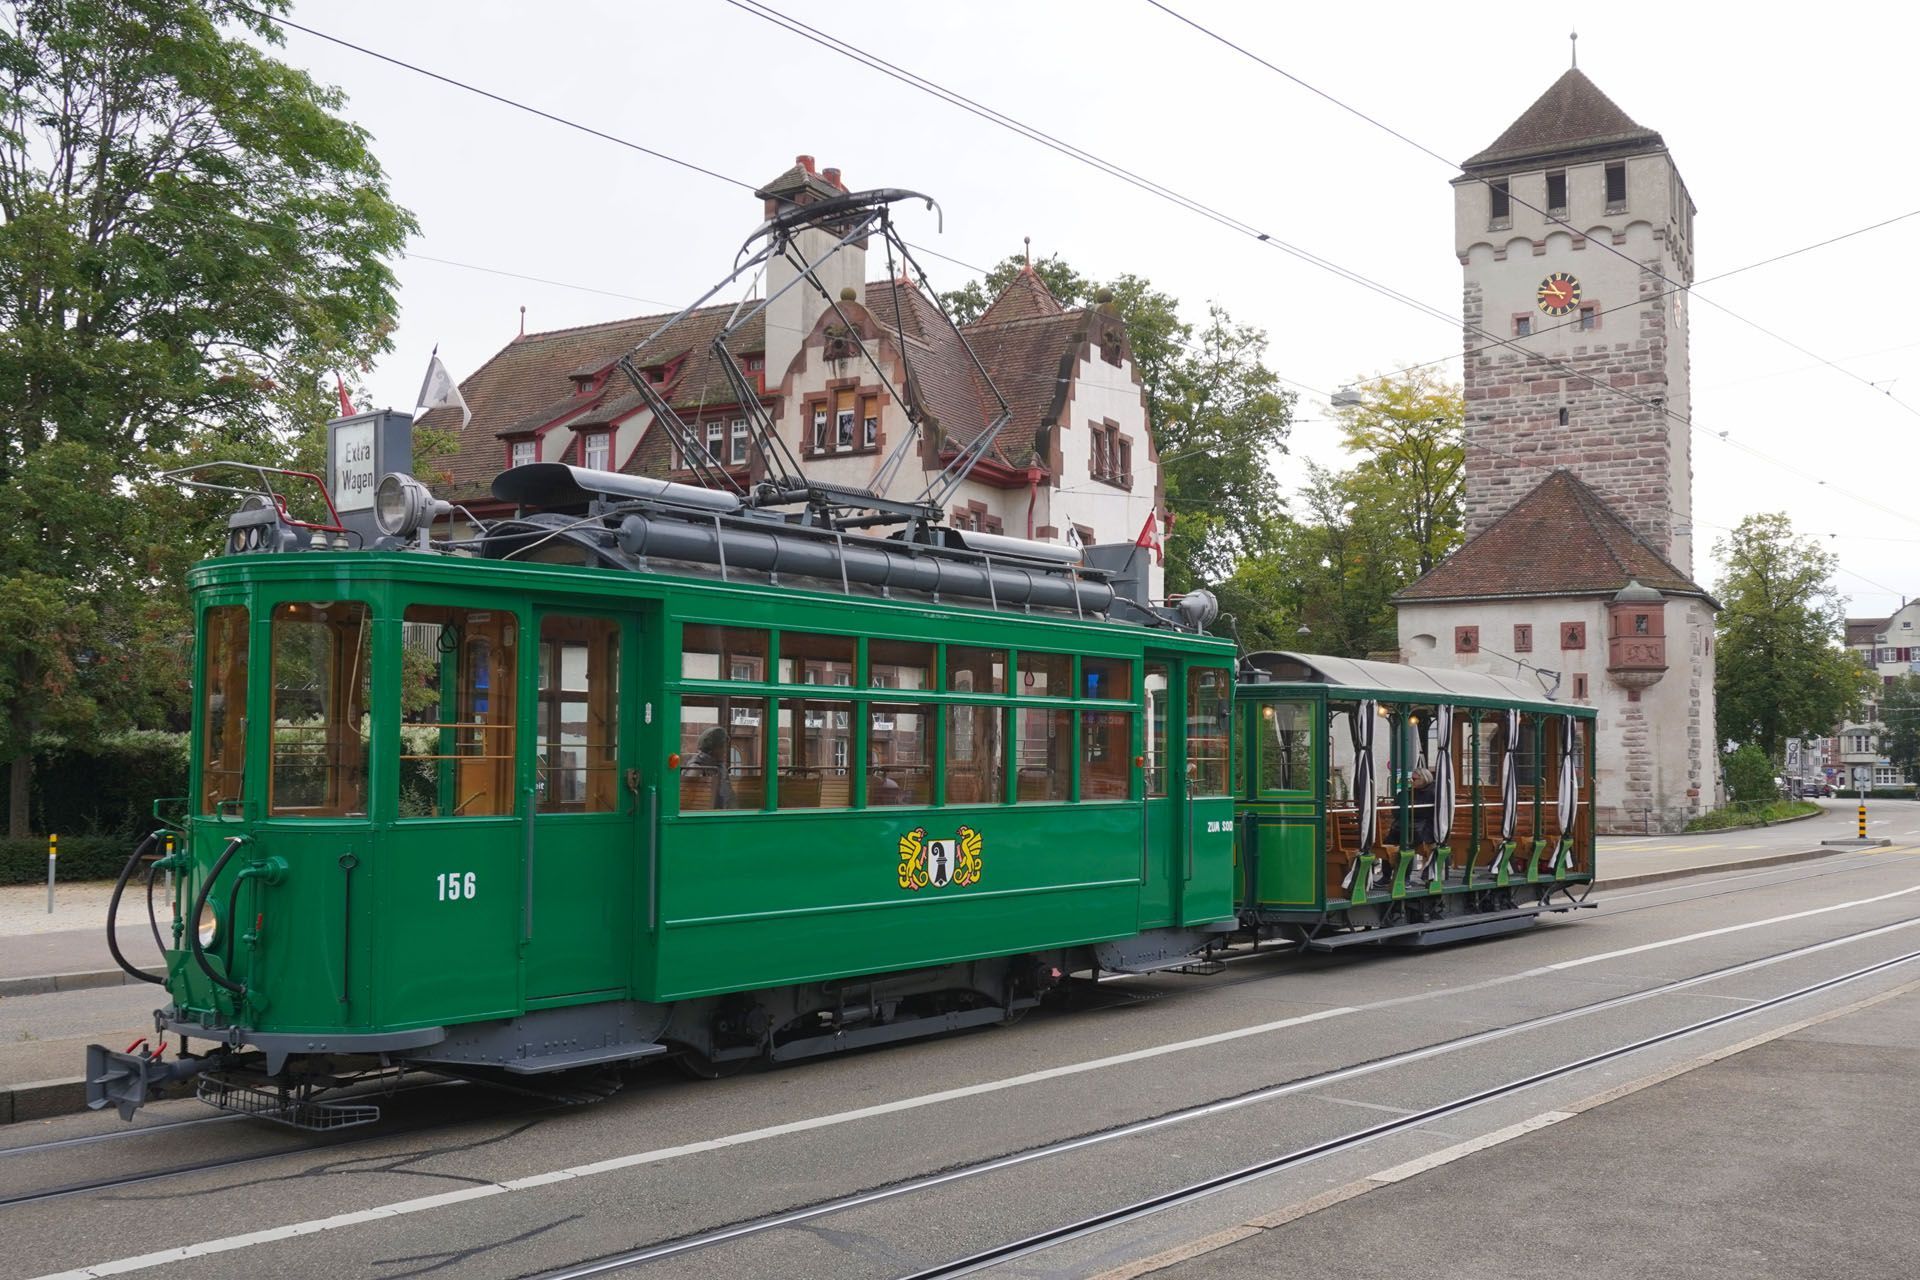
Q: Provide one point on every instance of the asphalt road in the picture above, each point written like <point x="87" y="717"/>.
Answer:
<point x="471" y="1184"/>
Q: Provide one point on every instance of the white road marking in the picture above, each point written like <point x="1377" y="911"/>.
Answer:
<point x="401" y="1208"/>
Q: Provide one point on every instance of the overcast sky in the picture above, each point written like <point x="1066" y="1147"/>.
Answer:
<point x="1786" y="131"/>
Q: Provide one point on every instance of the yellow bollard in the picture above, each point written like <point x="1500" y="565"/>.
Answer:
<point x="1863" y="820"/>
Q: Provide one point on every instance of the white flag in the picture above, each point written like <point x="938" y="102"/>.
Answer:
<point x="439" y="392"/>
<point x="1073" y="537"/>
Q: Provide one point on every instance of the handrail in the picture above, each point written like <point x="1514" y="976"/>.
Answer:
<point x="200" y="905"/>
<point x="113" y="909"/>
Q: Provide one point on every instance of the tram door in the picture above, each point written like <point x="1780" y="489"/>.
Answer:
<point x="579" y="811"/>
<point x="1188" y="839"/>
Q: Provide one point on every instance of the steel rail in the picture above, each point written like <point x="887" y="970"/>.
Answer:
<point x="806" y="1213"/>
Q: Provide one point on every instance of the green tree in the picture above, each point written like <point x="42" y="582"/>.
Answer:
<point x="1409" y="435"/>
<point x="1900" y="711"/>
<point x="1218" y="416"/>
<point x="1781" y="672"/>
<point x="1750" y="775"/>
<point x="192" y="241"/>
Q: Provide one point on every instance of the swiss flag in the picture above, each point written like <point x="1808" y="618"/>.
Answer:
<point x="346" y="405"/>
<point x="1150" y="537"/>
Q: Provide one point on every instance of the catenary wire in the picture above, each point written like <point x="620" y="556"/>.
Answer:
<point x="1545" y="213"/>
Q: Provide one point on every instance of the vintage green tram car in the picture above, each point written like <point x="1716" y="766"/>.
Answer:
<point x="560" y="801"/>
<point x="1382" y="802"/>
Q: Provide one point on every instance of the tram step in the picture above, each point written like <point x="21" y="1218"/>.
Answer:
<point x="1434" y="932"/>
<point x="548" y="1062"/>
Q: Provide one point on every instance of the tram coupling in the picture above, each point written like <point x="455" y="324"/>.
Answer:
<point x="130" y="1080"/>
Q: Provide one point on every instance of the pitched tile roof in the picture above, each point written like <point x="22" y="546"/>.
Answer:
<point x="1025" y="297"/>
<point x="1571" y="117"/>
<point x="1032" y="362"/>
<point x="1561" y="539"/>
<point x="530" y="382"/>
<point x="1863" y="630"/>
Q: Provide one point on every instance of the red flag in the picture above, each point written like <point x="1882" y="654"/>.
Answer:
<point x="346" y="405"/>
<point x="1150" y="537"/>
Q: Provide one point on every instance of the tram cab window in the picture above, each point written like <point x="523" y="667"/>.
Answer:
<point x="1109" y="678"/>
<point x="722" y="747"/>
<point x="976" y="670"/>
<point x="1106" y="755"/>
<point x="223" y="707"/>
<point x="900" y="754"/>
<point x="458" y="684"/>
<point x="976" y="758"/>
<point x="1209" y="696"/>
<point x="1284" y="746"/>
<point x="722" y="653"/>
<point x="1043" y="754"/>
<point x="1157" y="693"/>
<point x="579" y="708"/>
<point x="1045" y="675"/>
<point x="321" y="661"/>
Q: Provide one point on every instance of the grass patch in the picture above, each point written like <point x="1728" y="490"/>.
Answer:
<point x="1746" y="815"/>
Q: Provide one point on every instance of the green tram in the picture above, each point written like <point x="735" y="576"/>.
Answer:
<point x="635" y="773"/>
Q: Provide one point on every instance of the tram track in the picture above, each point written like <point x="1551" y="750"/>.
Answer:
<point x="746" y="1229"/>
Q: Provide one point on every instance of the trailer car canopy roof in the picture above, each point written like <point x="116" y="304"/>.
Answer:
<point x="1437" y="684"/>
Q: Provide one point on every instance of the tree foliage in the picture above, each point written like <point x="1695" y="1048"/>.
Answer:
<point x="1781" y="672"/>
<point x="193" y="242"/>
<point x="1218" y="415"/>
<point x="1409" y="435"/>
<point x="1749" y="773"/>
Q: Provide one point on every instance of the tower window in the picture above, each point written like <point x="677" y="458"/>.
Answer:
<point x="1563" y="415"/>
<point x="1557" y="192"/>
<point x="1502" y="212"/>
<point x="1522" y="326"/>
<point x="1616" y="186"/>
<point x="1589" y="316"/>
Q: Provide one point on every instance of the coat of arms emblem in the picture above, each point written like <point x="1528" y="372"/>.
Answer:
<point x="939" y="862"/>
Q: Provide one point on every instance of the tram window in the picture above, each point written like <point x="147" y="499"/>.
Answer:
<point x="1209" y="694"/>
<point x="1285" y="747"/>
<point x="810" y="659"/>
<point x="322" y="654"/>
<point x="814" y="754"/>
<point x="899" y="664"/>
<point x="1045" y="675"/>
<point x="976" y="670"/>
<point x="1043" y="752"/>
<point x="223" y="707"/>
<point x="722" y="653"/>
<point x="900" y="754"/>
<point x="1106" y="755"/>
<point x="579" y="712"/>
<point x="976" y="759"/>
<point x="457" y="713"/>
<point x="1157" y="696"/>
<point x="1110" y="678"/>
<point x="722" y="744"/>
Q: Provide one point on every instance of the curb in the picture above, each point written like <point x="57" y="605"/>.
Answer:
<point x="1676" y="873"/>
<point x="41" y="984"/>
<point x="1756" y="826"/>
<point x="42" y="1100"/>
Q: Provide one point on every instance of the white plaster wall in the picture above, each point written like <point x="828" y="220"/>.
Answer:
<point x="1651" y="773"/>
<point x="791" y="316"/>
<point x="1102" y="391"/>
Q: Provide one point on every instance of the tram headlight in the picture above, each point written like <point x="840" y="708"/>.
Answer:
<point x="209" y="926"/>
<point x="402" y="505"/>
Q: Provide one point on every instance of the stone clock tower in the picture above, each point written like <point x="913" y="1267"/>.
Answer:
<point x="1565" y="227"/>
<point x="1575" y="235"/>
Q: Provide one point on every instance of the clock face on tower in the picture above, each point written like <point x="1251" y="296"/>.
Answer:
<point x="1558" y="294"/>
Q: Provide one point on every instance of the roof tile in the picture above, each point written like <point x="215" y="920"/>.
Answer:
<point x="1571" y="116"/>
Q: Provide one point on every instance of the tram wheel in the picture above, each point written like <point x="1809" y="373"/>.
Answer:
<point x="698" y="1066"/>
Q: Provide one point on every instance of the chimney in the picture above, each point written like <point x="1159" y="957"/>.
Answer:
<point x="833" y="176"/>
<point x="805" y="162"/>
<point x="792" y="314"/>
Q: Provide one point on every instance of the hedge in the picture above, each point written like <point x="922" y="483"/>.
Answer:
<point x="105" y="786"/>
<point x="81" y="858"/>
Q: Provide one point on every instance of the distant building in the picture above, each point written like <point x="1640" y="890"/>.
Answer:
<point x="1573" y="230"/>
<point x="1078" y="449"/>
<point x="1888" y="648"/>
